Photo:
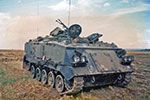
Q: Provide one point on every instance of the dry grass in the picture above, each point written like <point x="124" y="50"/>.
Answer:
<point x="16" y="83"/>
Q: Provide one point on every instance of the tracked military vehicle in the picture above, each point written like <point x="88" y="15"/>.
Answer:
<point x="69" y="63"/>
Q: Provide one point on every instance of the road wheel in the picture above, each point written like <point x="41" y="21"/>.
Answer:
<point x="32" y="71"/>
<point x="59" y="84"/>
<point x="123" y="80"/>
<point x="44" y="76"/>
<point x="38" y="74"/>
<point x="51" y="79"/>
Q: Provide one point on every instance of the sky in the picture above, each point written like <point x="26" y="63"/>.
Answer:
<point x="123" y="22"/>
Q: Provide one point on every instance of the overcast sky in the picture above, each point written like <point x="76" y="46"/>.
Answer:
<point x="124" y="22"/>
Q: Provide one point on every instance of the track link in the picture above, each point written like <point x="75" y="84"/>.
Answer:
<point x="77" y="87"/>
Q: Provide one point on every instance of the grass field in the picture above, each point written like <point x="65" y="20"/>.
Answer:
<point x="16" y="83"/>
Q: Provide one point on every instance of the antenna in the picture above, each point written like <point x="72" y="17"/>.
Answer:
<point x="69" y="12"/>
<point x="37" y="16"/>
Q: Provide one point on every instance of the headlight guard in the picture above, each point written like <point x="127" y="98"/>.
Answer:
<point x="127" y="59"/>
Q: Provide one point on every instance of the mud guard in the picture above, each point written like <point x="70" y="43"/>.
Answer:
<point x="66" y="71"/>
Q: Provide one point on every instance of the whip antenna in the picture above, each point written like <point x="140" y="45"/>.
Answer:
<point x="37" y="16"/>
<point x="69" y="12"/>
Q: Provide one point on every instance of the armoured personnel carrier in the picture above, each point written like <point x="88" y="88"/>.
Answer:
<point x="69" y="63"/>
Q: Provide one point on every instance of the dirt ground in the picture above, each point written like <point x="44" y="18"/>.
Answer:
<point x="16" y="83"/>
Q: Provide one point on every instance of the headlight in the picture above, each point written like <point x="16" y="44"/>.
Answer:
<point x="125" y="59"/>
<point x="76" y="58"/>
<point x="130" y="59"/>
<point x="83" y="59"/>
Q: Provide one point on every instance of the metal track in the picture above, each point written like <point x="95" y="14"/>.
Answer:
<point x="77" y="87"/>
